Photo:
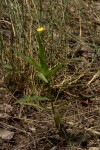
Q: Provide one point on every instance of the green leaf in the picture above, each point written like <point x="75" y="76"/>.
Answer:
<point x="7" y="67"/>
<point x="32" y="104"/>
<point x="57" y="119"/>
<point x="53" y="71"/>
<point x="40" y="98"/>
<point x="25" y="99"/>
<point x="41" y="49"/>
<point x="44" y="66"/>
<point x="41" y="75"/>
<point x="41" y="53"/>
<point x="31" y="98"/>
<point x="28" y="101"/>
<point x="32" y="62"/>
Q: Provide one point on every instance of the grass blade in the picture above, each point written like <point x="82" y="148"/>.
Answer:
<point x="41" y="75"/>
<point x="41" y="53"/>
<point x="54" y="70"/>
<point x="31" y="98"/>
<point x="32" y="62"/>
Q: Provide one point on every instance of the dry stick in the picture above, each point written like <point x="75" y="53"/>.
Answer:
<point x="90" y="130"/>
<point x="74" y="81"/>
<point x="94" y="78"/>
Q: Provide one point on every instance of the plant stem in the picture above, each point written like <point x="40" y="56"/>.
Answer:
<point x="52" y="106"/>
<point x="53" y="109"/>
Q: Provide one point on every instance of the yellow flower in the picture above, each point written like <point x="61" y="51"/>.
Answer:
<point x="41" y="29"/>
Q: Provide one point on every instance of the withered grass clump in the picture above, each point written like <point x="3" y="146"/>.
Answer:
<point x="61" y="64"/>
<point x="71" y="30"/>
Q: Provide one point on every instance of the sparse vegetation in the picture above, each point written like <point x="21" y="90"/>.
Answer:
<point x="50" y="61"/>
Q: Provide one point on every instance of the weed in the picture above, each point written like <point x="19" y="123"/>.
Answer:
<point x="45" y="73"/>
<point x="71" y="30"/>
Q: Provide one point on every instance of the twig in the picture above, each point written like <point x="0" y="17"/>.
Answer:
<point x="92" y="131"/>
<point x="94" y="78"/>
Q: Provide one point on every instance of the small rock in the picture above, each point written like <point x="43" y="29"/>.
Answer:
<point x="93" y="148"/>
<point x="6" y="108"/>
<point x="91" y="120"/>
<point x="4" y="116"/>
<point x="6" y="135"/>
<point x="55" y="148"/>
<point x="33" y="129"/>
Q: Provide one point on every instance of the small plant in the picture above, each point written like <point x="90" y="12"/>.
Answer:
<point x="45" y="73"/>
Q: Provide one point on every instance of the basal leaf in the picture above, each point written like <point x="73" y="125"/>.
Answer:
<point x="40" y="98"/>
<point x="57" y="119"/>
<point x="32" y="104"/>
<point x="31" y="98"/>
<point x="44" y="66"/>
<point x="7" y="66"/>
<point x="53" y="71"/>
<point x="32" y="62"/>
<point x="25" y="99"/>
<point x="41" y="75"/>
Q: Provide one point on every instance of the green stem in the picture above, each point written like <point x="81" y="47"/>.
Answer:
<point x="53" y="109"/>
<point x="52" y="106"/>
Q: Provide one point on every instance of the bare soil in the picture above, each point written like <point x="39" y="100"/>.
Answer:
<point x="35" y="130"/>
<point x="27" y="128"/>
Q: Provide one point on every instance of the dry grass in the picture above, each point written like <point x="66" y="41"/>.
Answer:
<point x="72" y="31"/>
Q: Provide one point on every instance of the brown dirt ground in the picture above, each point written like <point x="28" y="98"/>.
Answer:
<point x="35" y="130"/>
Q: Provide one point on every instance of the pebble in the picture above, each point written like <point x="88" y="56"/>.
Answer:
<point x="93" y="148"/>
